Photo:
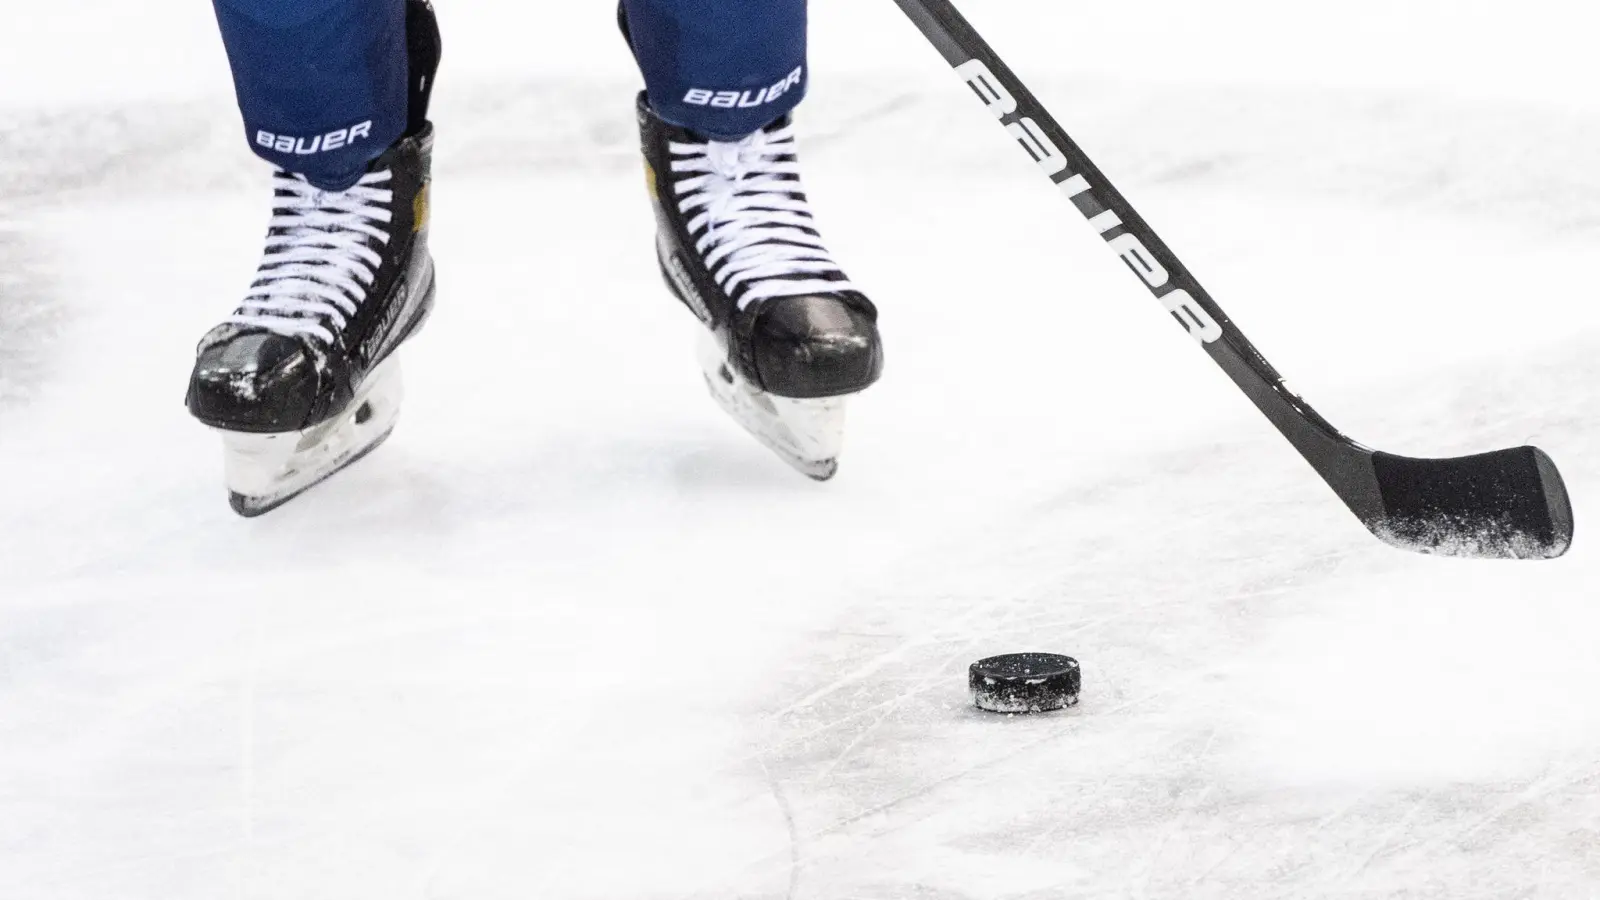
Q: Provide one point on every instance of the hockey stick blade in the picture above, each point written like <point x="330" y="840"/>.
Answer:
<point x="1510" y="504"/>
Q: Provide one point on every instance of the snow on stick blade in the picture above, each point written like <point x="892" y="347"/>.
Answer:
<point x="1509" y="504"/>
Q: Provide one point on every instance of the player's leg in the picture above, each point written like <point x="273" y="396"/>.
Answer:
<point x="724" y="69"/>
<point x="321" y="83"/>
<point x="300" y="379"/>
<point x="789" y="337"/>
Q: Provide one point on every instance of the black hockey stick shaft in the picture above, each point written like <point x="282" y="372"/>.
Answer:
<point x="1509" y="503"/>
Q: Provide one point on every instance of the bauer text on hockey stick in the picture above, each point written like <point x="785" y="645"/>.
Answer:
<point x="1509" y="503"/>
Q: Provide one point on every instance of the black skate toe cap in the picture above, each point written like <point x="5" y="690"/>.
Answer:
<point x="816" y="346"/>
<point x="255" y="382"/>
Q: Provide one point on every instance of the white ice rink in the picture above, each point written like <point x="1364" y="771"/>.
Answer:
<point x="571" y="635"/>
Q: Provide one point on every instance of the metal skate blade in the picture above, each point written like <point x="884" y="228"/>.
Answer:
<point x="250" y="506"/>
<point x="800" y="451"/>
<point x="265" y="471"/>
<point x="806" y="434"/>
<point x="823" y="470"/>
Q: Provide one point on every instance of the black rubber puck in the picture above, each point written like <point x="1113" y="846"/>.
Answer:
<point x="1025" y="682"/>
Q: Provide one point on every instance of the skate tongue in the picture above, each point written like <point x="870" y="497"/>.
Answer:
<point x="734" y="161"/>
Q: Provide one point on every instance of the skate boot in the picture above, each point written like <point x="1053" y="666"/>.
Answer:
<point x="788" y="339"/>
<point x="301" y="380"/>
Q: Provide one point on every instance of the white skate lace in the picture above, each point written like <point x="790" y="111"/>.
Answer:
<point x="320" y="257"/>
<point x="750" y="219"/>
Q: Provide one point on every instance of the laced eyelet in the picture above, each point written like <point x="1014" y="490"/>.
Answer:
<point x="750" y="219"/>
<point x="322" y="255"/>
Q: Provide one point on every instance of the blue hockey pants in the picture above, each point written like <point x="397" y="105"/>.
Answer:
<point x="322" y="84"/>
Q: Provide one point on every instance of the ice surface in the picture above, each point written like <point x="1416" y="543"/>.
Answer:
<point x="570" y="634"/>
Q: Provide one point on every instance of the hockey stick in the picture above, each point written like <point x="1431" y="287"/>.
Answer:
<point x="1506" y="504"/>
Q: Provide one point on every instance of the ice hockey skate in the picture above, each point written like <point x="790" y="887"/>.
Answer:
<point x="788" y="338"/>
<point x="301" y="380"/>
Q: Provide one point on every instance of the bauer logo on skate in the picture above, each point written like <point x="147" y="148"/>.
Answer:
<point x="318" y="143"/>
<point x="999" y="101"/>
<point x="745" y="99"/>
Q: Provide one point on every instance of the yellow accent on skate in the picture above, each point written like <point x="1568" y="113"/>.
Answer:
<point x="650" y="181"/>
<point x="420" y="209"/>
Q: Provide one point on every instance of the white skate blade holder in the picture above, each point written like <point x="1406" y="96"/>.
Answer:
<point x="264" y="471"/>
<point x="806" y="434"/>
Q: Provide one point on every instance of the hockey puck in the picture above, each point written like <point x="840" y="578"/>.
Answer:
<point x="1025" y="682"/>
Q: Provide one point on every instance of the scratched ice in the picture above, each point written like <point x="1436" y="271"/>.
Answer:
<point x="572" y="635"/>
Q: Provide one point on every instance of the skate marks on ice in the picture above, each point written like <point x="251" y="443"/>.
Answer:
<point x="31" y="316"/>
<point x="1510" y="162"/>
<point x="1308" y="715"/>
<point x="882" y="783"/>
<point x="92" y="152"/>
<point x="314" y="749"/>
<point x="1412" y="151"/>
<point x="1495" y="159"/>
